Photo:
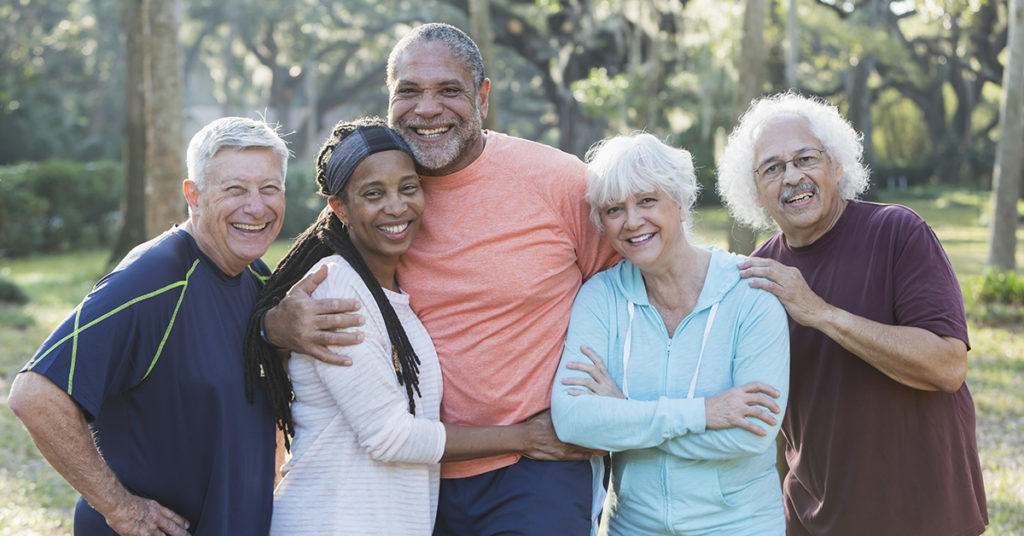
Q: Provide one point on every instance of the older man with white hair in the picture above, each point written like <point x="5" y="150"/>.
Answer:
<point x="138" y="398"/>
<point x="880" y="428"/>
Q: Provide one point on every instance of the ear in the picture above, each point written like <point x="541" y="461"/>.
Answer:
<point x="338" y="208"/>
<point x="191" y="191"/>
<point x="481" y="98"/>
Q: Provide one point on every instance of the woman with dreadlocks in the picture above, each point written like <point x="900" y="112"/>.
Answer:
<point x="367" y="437"/>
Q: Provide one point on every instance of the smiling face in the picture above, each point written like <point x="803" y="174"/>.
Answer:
<point x="805" y="203"/>
<point x="434" y="105"/>
<point x="645" y="228"/>
<point x="381" y="204"/>
<point x="240" y="210"/>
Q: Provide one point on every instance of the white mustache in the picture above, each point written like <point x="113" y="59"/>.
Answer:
<point x="786" y="193"/>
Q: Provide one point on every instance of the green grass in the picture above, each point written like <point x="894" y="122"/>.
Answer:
<point x="35" y="500"/>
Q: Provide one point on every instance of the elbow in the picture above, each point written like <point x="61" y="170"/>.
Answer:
<point x="562" y="420"/>
<point x="956" y="373"/>
<point x="954" y="380"/>
<point x="23" y="396"/>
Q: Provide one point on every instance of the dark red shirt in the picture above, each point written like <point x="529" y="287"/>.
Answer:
<point x="868" y="455"/>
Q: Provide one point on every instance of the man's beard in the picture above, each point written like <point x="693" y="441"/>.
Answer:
<point x="433" y="158"/>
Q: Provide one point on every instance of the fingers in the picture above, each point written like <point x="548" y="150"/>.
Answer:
<point x="325" y="354"/>
<point x="308" y="284"/>
<point x="593" y="357"/>
<point x="336" y="313"/>
<point x="170" y="522"/>
<point x="758" y="387"/>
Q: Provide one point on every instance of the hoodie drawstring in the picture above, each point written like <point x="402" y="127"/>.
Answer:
<point x="628" y="343"/>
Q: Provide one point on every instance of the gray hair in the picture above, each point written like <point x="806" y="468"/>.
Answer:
<point x="624" y="165"/>
<point x="461" y="46"/>
<point x="843" y="144"/>
<point x="237" y="132"/>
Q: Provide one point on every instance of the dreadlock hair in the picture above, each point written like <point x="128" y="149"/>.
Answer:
<point x="325" y="237"/>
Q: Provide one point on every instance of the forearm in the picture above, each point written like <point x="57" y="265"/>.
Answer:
<point x="722" y="444"/>
<point x="469" y="442"/>
<point x="909" y="355"/>
<point x="616" y="424"/>
<point x="63" y="437"/>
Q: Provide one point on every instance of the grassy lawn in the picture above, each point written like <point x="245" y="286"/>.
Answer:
<point x="34" y="500"/>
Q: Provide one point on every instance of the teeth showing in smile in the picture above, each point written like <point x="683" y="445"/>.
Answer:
<point x="394" y="229"/>
<point x="801" y="197"/>
<point x="638" y="239"/>
<point x="247" y="227"/>
<point x="432" y="131"/>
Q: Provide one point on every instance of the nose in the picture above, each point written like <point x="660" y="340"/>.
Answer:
<point x="633" y="218"/>
<point x="428" y="105"/>
<point x="394" y="205"/>
<point x="254" y="203"/>
<point x="792" y="174"/>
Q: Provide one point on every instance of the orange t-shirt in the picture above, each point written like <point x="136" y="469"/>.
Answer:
<point x="503" y="247"/>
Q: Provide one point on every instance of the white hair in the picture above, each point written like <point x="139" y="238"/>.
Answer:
<point x="625" y="165"/>
<point x="236" y="132"/>
<point x="843" y="144"/>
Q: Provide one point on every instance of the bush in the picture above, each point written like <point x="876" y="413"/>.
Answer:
<point x="11" y="292"/>
<point x="58" y="205"/>
<point x="995" y="296"/>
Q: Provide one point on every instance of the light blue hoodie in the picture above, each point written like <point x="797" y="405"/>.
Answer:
<point x="670" y="475"/>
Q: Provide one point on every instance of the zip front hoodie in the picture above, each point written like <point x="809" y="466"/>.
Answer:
<point x="670" y="475"/>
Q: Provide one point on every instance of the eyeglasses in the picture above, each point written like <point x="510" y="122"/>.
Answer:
<point x="773" y="170"/>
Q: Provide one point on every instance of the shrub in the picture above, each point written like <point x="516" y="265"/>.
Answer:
<point x="10" y="292"/>
<point x="995" y="296"/>
<point x="58" y="205"/>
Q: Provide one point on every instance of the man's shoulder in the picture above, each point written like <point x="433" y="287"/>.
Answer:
<point x="164" y="260"/>
<point x="885" y="213"/>
<point x="530" y="153"/>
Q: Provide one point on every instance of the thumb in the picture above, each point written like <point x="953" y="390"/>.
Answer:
<point x="309" y="283"/>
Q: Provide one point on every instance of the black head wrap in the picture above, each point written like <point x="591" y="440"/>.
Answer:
<point x="355" y="148"/>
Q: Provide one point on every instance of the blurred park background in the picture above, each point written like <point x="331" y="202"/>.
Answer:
<point x="98" y="98"/>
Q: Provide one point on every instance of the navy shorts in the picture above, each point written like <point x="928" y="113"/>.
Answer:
<point x="527" y="498"/>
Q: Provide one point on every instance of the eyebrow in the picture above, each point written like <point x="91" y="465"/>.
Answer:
<point x="449" y="82"/>
<point x="779" y="158"/>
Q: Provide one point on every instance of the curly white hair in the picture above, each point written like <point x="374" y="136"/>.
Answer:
<point x="843" y="144"/>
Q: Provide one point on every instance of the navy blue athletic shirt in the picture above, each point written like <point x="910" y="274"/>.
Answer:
<point x="154" y="356"/>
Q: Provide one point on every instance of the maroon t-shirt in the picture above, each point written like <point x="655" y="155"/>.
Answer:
<point x="868" y="455"/>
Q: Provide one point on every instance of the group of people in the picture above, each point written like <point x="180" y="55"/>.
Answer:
<point x="478" y="324"/>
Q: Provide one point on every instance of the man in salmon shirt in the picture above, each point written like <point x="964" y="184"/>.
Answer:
<point x="504" y="246"/>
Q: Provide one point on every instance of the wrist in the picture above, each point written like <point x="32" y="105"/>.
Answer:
<point x="263" y="332"/>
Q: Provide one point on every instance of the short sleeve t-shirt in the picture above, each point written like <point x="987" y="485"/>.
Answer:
<point x="153" y="355"/>
<point x="867" y="454"/>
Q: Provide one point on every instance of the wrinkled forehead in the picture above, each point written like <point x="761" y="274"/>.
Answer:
<point x="782" y="136"/>
<point x="430" y="63"/>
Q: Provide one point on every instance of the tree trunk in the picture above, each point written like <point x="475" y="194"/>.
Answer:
<point x="742" y="239"/>
<point x="165" y="204"/>
<point x="859" y="97"/>
<point x="1009" y="160"/>
<point x="791" y="23"/>
<point x="133" y="226"/>
<point x="480" y="27"/>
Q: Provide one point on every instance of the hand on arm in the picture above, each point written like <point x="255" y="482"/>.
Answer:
<point x="535" y="438"/>
<point x="310" y="326"/>
<point x="58" y="428"/>
<point x="730" y="408"/>
<point x="599" y="383"/>
<point x="909" y="355"/>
